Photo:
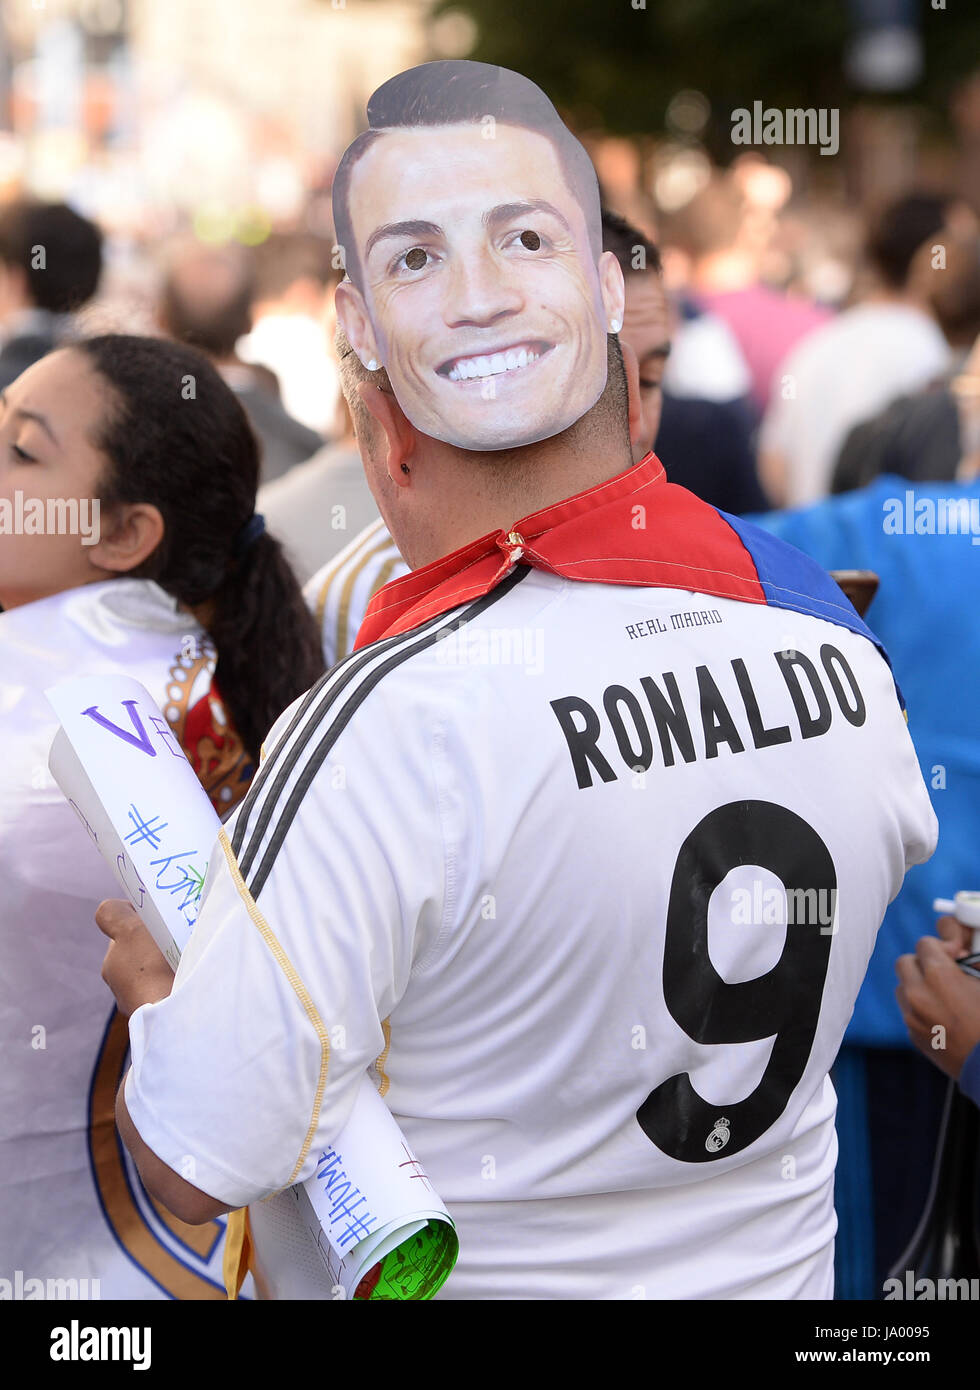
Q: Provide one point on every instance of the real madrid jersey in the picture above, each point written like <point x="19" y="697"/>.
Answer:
<point x="582" y="858"/>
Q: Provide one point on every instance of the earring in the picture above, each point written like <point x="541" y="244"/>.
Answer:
<point x="372" y="366"/>
<point x="405" y="468"/>
<point x="614" y="326"/>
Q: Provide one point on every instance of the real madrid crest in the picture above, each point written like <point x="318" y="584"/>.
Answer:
<point x="719" y="1136"/>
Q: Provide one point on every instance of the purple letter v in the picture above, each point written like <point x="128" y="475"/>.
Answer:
<point x="143" y="741"/>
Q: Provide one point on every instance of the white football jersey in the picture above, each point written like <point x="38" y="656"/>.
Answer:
<point x="75" y="1221"/>
<point x="587" y="875"/>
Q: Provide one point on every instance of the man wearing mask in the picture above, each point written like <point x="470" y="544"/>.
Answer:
<point x="577" y="846"/>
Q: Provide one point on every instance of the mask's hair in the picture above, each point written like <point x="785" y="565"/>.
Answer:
<point x="460" y="92"/>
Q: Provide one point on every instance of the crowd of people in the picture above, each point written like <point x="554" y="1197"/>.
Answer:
<point x="262" y="501"/>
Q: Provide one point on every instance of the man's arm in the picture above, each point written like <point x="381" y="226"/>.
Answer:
<point x="251" y="1063"/>
<point x="179" y="1196"/>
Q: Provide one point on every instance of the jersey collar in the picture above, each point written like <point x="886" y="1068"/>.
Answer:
<point x="635" y="528"/>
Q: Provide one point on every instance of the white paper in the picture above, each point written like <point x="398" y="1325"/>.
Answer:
<point x="120" y="766"/>
<point x="369" y="1194"/>
<point x="68" y="772"/>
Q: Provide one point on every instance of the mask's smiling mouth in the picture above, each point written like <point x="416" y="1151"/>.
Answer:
<point x="482" y="365"/>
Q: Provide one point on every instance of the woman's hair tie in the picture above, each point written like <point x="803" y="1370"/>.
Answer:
<point x="249" y="533"/>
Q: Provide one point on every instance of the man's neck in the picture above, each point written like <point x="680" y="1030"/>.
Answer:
<point x="461" y="497"/>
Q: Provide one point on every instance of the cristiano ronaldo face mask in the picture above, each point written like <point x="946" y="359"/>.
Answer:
<point x="470" y="222"/>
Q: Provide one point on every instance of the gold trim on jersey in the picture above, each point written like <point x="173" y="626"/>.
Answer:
<point x="379" y="1065"/>
<point x="334" y="569"/>
<point x="347" y="593"/>
<point x="300" y="990"/>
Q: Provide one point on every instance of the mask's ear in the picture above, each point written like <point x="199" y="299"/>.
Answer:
<point x="632" y="366"/>
<point x="399" y="432"/>
<point x="356" y="323"/>
<point x="612" y="286"/>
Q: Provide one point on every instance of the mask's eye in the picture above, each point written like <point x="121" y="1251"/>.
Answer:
<point x="530" y="240"/>
<point x="416" y="258"/>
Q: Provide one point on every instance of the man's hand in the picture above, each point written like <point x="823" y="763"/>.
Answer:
<point x="957" y="938"/>
<point x="940" y="1005"/>
<point x="134" y="967"/>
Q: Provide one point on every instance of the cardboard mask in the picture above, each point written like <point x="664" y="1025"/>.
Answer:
<point x="470" y="224"/>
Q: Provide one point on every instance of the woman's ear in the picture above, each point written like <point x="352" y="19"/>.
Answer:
<point x="356" y="322"/>
<point x="137" y="529"/>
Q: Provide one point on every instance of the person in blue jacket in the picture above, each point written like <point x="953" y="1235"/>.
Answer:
<point x="923" y="540"/>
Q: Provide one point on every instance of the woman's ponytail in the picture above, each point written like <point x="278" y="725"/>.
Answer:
<point x="267" y="642"/>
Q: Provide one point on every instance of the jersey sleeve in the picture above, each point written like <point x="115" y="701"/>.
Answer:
<point x="303" y="947"/>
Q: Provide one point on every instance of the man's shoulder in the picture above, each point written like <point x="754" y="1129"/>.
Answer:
<point x="791" y="579"/>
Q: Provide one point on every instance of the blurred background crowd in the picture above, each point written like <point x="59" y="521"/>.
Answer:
<point x="806" y="316"/>
<point x="809" y="297"/>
